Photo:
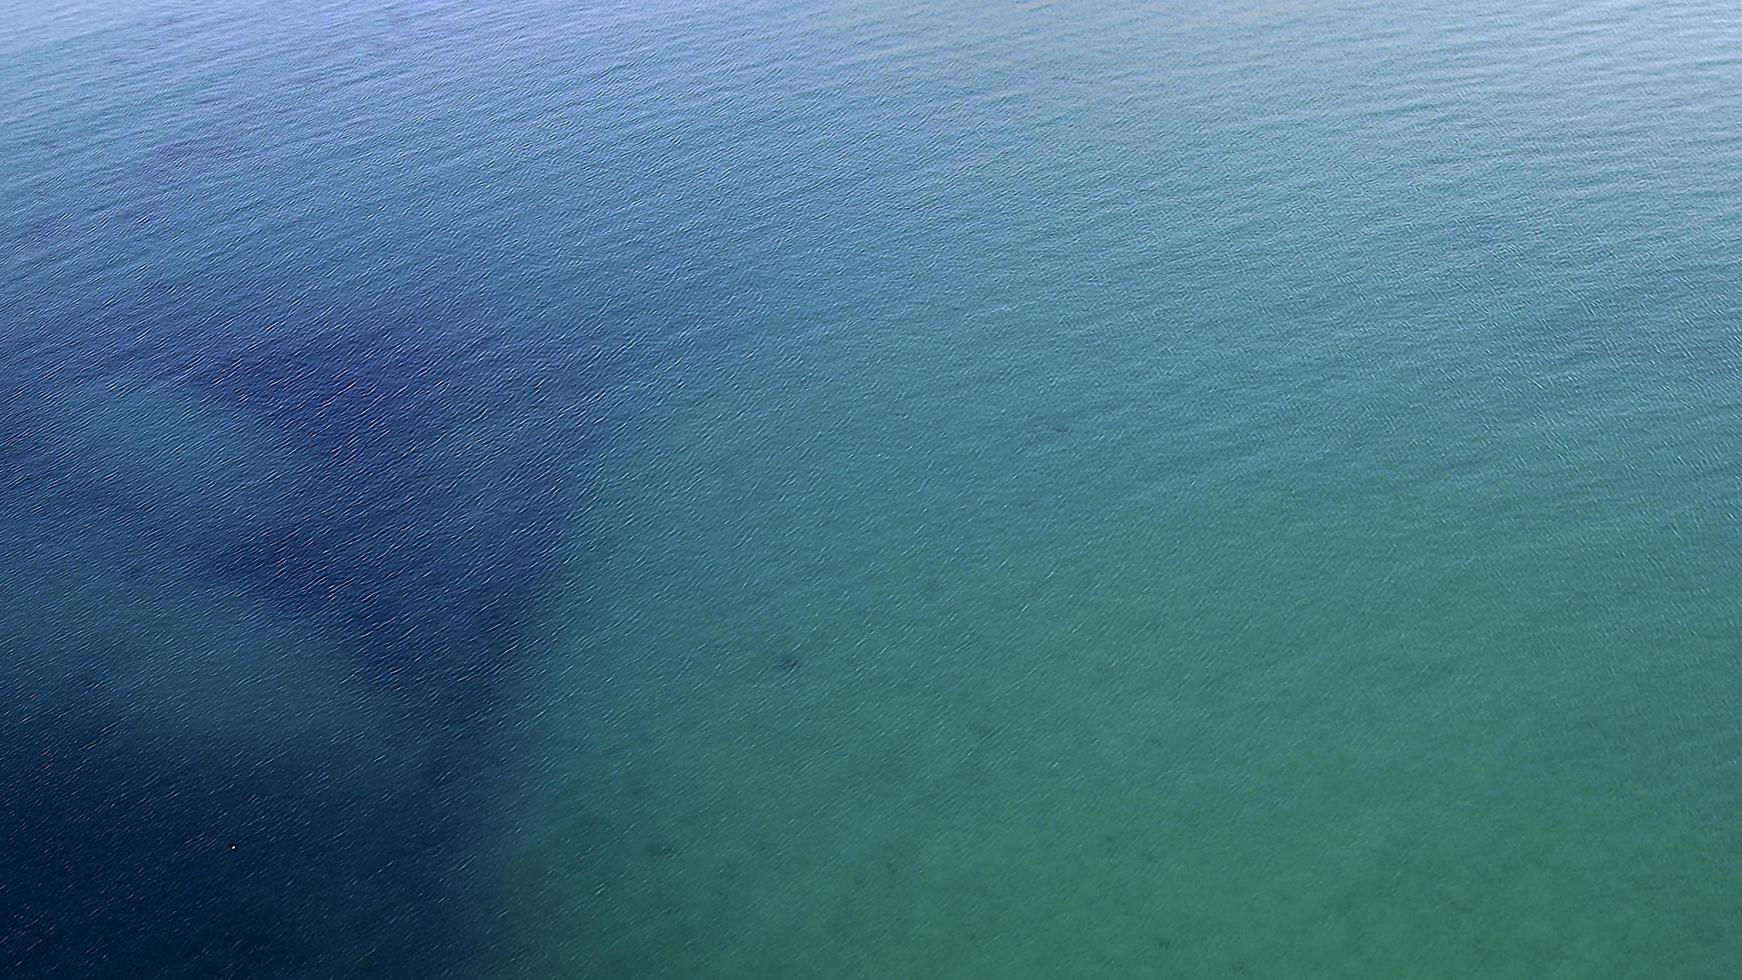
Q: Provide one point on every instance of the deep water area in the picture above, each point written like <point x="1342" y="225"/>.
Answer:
<point x="297" y="428"/>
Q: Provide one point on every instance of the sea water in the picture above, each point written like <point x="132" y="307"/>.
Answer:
<point x="864" y="489"/>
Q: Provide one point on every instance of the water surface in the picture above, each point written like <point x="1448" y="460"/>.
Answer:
<point x="870" y="489"/>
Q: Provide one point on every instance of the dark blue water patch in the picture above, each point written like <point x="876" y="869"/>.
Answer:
<point x="427" y="548"/>
<point x="398" y="470"/>
<point x="299" y="329"/>
<point x="429" y="449"/>
<point x="405" y="489"/>
<point x="216" y="860"/>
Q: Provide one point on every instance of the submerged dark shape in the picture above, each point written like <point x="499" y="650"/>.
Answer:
<point x="426" y="542"/>
<point x="297" y="414"/>
<point x="400" y="490"/>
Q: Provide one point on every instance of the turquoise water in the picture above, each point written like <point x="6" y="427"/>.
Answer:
<point x="863" y="490"/>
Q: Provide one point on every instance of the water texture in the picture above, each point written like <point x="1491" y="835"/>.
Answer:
<point x="861" y="490"/>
